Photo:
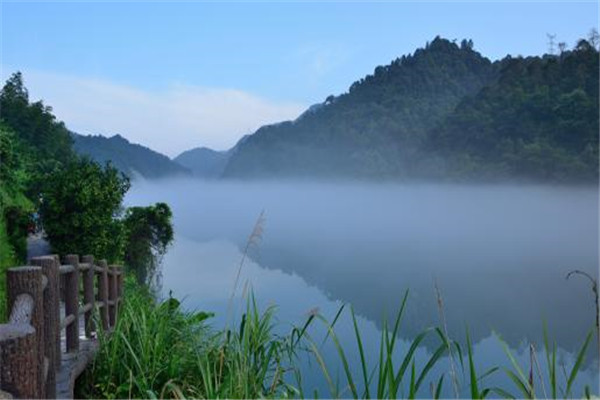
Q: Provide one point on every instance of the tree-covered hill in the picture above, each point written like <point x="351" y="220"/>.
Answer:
<point x="538" y="121"/>
<point x="131" y="159"/>
<point x="444" y="112"/>
<point x="374" y="129"/>
<point x="78" y="201"/>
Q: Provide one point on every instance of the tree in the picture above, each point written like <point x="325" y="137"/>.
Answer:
<point x="10" y="161"/>
<point x="14" y="90"/>
<point x="34" y="124"/>
<point x="466" y="44"/>
<point x="15" y="208"/>
<point x="594" y="38"/>
<point x="81" y="206"/>
<point x="149" y="232"/>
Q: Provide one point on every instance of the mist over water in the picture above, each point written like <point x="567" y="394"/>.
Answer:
<point x="498" y="253"/>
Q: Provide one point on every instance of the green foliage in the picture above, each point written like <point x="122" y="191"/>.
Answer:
<point x="12" y="164"/>
<point x="80" y="207"/>
<point x="80" y="201"/>
<point x="149" y="231"/>
<point x="376" y="128"/>
<point x="7" y="260"/>
<point x="34" y="123"/>
<point x="15" y="209"/>
<point x="157" y="350"/>
<point x="444" y="113"/>
<point x="538" y="121"/>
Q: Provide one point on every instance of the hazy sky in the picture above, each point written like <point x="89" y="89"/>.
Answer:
<point x="176" y="75"/>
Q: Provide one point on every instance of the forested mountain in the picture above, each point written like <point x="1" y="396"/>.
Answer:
<point x="204" y="162"/>
<point x="444" y="112"/>
<point x="33" y="145"/>
<point x="131" y="159"/>
<point x="42" y="136"/>
<point x="539" y="121"/>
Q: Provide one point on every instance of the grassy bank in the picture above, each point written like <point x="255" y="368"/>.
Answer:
<point x="158" y="350"/>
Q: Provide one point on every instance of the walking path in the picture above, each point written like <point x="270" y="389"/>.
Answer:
<point x="37" y="246"/>
<point x="72" y="363"/>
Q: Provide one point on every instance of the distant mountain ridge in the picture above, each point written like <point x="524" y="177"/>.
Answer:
<point x="204" y="162"/>
<point x="207" y="163"/>
<point x="374" y="129"/>
<point x="443" y="113"/>
<point x="130" y="158"/>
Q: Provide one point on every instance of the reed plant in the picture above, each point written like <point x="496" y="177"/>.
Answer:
<point x="159" y="350"/>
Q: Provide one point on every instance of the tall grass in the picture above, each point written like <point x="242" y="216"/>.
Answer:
<point x="158" y="350"/>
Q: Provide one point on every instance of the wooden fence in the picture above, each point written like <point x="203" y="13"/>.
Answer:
<point x="51" y="335"/>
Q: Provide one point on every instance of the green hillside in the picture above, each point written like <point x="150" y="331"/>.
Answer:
<point x="444" y="113"/>
<point x="538" y="121"/>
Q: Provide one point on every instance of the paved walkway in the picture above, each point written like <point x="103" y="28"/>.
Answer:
<point x="72" y="364"/>
<point x="37" y="246"/>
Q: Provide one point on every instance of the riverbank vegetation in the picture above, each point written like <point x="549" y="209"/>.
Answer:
<point x="79" y="201"/>
<point x="158" y="350"/>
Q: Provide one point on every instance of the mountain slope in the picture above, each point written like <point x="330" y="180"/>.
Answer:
<point x="444" y="113"/>
<point x="539" y="121"/>
<point x="132" y="159"/>
<point x="375" y="128"/>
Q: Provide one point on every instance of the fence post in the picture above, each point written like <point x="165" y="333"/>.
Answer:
<point x="28" y="280"/>
<point x="88" y="294"/>
<point x="19" y="367"/>
<point x="51" y="320"/>
<point x="103" y="293"/>
<point x="72" y="303"/>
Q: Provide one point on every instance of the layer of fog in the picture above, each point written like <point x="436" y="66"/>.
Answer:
<point x="499" y="253"/>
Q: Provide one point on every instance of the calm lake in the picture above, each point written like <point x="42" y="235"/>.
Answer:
<point x="498" y="254"/>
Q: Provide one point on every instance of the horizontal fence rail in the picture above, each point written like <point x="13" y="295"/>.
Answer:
<point x="44" y="299"/>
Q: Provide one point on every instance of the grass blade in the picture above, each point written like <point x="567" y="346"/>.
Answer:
<point x="412" y="388"/>
<point x="473" y="374"/>
<point x="438" y="388"/>
<point x="432" y="361"/>
<point x="363" y="362"/>
<point x="578" y="362"/>
<point x="342" y="355"/>
<point x="521" y="381"/>
<point x="503" y="393"/>
<point x="522" y="386"/>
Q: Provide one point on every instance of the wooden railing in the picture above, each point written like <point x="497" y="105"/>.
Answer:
<point x="36" y="360"/>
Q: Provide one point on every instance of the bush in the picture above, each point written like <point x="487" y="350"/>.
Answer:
<point x="149" y="232"/>
<point x="159" y="350"/>
<point x="80" y="207"/>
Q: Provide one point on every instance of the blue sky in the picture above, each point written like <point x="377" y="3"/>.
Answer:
<point x="220" y="63"/>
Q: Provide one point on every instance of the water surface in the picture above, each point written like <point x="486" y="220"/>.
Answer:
<point x="498" y="254"/>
